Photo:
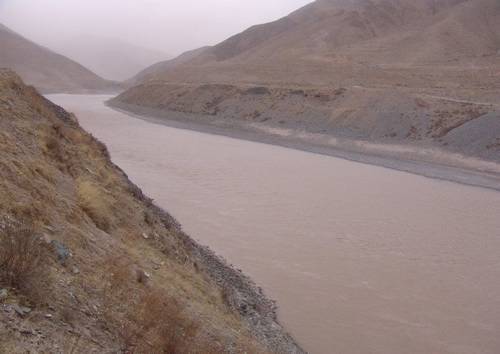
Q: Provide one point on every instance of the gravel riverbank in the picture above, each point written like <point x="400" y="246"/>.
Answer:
<point x="426" y="160"/>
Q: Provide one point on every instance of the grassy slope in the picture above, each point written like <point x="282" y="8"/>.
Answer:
<point x="58" y="178"/>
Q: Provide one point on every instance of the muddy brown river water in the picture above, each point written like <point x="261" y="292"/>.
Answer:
<point x="361" y="259"/>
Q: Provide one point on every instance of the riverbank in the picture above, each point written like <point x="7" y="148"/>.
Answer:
<point x="103" y="268"/>
<point x="427" y="161"/>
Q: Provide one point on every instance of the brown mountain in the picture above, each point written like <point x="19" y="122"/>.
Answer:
<point x="344" y="40"/>
<point x="44" y="69"/>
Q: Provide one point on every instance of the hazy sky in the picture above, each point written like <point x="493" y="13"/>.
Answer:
<point x="172" y="26"/>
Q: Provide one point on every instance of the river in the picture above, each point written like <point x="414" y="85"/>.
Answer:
<point x="361" y="259"/>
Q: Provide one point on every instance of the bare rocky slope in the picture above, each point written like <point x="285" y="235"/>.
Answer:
<point x="88" y="264"/>
<point x="419" y="73"/>
<point x="337" y="42"/>
<point x="151" y="71"/>
<point x="47" y="71"/>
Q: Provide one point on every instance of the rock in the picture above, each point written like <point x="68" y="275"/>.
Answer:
<point x="4" y="293"/>
<point x="157" y="265"/>
<point x="26" y="332"/>
<point x="46" y="238"/>
<point x="21" y="310"/>
<point x="145" y="236"/>
<point x="75" y="270"/>
<point x="48" y="316"/>
<point x="142" y="276"/>
<point x="49" y="228"/>
<point x="61" y="251"/>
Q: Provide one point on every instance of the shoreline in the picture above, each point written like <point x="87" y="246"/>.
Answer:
<point x="427" y="162"/>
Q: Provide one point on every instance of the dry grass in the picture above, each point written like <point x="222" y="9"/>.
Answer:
<point x="60" y="180"/>
<point x="147" y="318"/>
<point x="23" y="262"/>
<point x="157" y="324"/>
<point x="96" y="204"/>
<point x="54" y="148"/>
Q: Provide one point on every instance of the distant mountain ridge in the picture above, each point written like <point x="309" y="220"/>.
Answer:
<point x="46" y="70"/>
<point x="110" y="58"/>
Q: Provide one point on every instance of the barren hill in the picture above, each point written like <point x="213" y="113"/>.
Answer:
<point x="89" y="264"/>
<point x="339" y="41"/>
<point x="46" y="70"/>
<point x="152" y="71"/>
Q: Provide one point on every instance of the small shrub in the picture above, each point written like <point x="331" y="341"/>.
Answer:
<point x="53" y="146"/>
<point x="23" y="262"/>
<point x="147" y="319"/>
<point x="148" y="218"/>
<point x="156" y="323"/>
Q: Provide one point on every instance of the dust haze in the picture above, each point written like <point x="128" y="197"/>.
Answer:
<point x="166" y="26"/>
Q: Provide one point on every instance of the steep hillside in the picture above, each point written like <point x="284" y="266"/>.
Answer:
<point x="46" y="70"/>
<point x="89" y="264"/>
<point x="330" y="24"/>
<point x="341" y="42"/>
